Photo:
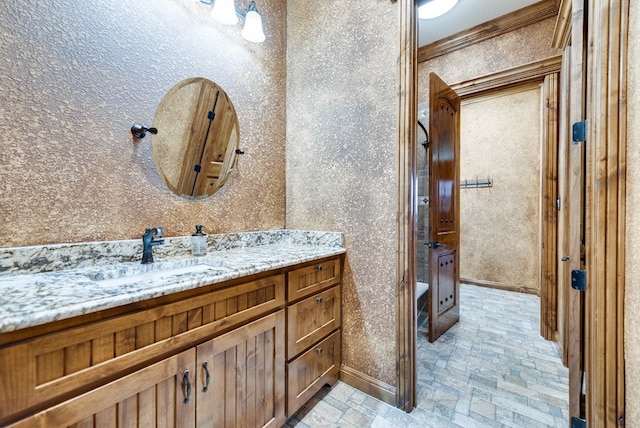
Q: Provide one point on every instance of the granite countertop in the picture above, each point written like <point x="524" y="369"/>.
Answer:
<point x="88" y="281"/>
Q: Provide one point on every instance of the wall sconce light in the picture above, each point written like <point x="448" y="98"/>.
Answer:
<point x="225" y="11"/>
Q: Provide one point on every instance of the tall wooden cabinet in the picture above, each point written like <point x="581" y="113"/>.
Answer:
<point x="313" y="330"/>
<point x="232" y="354"/>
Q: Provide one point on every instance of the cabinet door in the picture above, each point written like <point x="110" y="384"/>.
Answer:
<point x="242" y="383"/>
<point x="161" y="395"/>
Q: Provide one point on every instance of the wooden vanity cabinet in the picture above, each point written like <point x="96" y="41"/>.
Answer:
<point x="44" y="370"/>
<point x="234" y="354"/>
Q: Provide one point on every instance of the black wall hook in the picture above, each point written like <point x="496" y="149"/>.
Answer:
<point x="140" y="131"/>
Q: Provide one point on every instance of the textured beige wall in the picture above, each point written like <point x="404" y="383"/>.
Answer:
<point x="75" y="77"/>
<point x="510" y="50"/>
<point x="500" y="226"/>
<point x="632" y="287"/>
<point x="342" y="80"/>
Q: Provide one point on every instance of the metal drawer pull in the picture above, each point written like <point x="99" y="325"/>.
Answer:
<point x="319" y="267"/>
<point x="187" y="384"/>
<point x="319" y="299"/>
<point x="319" y="351"/>
<point x="207" y="376"/>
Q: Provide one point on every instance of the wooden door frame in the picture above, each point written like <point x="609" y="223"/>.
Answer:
<point x="549" y="290"/>
<point x="604" y="211"/>
<point x="527" y="74"/>
<point x="407" y="208"/>
<point x="606" y="148"/>
<point x="604" y="91"/>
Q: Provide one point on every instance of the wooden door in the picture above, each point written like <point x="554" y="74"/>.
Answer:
<point x="161" y="395"/>
<point x="241" y="376"/>
<point x="444" y="208"/>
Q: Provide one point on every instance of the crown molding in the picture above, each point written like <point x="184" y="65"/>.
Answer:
<point x="524" y="74"/>
<point x="512" y="21"/>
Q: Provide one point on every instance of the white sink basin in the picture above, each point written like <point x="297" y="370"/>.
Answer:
<point x="175" y="275"/>
<point x="131" y="271"/>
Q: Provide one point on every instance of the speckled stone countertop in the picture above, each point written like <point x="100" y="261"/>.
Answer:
<point x="48" y="283"/>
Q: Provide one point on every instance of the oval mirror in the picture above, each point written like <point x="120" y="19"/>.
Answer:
<point x="198" y="135"/>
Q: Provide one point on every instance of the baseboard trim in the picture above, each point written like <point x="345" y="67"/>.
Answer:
<point x="368" y="385"/>
<point x="500" y="286"/>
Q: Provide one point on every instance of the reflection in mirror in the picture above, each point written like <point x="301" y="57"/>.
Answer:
<point x="198" y="135"/>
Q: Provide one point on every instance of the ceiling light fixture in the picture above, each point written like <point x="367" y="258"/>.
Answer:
<point x="225" y="11"/>
<point x="434" y="8"/>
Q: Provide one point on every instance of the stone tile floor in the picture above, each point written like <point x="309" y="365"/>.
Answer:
<point x="492" y="369"/>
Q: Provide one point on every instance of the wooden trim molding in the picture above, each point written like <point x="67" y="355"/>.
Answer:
<point x="549" y="249"/>
<point x="512" y="21"/>
<point x="606" y="148"/>
<point x="407" y="209"/>
<point x="524" y="74"/>
<point x="564" y="195"/>
<point x="575" y="207"/>
<point x="499" y="285"/>
<point x="368" y="385"/>
<point x="562" y="31"/>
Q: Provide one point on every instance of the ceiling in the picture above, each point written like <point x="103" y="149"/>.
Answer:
<point x="464" y="15"/>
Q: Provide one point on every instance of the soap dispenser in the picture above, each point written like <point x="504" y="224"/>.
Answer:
<point x="199" y="242"/>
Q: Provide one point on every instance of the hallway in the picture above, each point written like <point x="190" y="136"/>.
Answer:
<point x="490" y="370"/>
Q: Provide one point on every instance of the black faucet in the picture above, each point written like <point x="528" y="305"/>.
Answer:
<point x="148" y="242"/>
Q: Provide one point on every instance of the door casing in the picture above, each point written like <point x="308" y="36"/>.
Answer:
<point x="604" y="206"/>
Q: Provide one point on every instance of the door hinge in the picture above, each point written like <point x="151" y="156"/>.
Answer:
<point x="579" y="280"/>
<point x="578" y="423"/>
<point x="558" y="203"/>
<point x="579" y="132"/>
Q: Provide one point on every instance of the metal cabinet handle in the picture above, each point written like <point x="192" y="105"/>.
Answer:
<point x="319" y="351"/>
<point x="187" y="383"/>
<point x="319" y="267"/>
<point x="319" y="299"/>
<point x="207" y="376"/>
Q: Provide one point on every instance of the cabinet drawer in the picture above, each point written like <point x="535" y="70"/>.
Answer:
<point x="58" y="363"/>
<point x="313" y="278"/>
<point x="312" y="370"/>
<point x="311" y="319"/>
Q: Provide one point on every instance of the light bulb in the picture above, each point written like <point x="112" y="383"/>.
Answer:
<point x="224" y="11"/>
<point x="252" y="30"/>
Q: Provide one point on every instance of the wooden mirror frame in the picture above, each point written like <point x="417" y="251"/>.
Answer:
<point x="197" y="141"/>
